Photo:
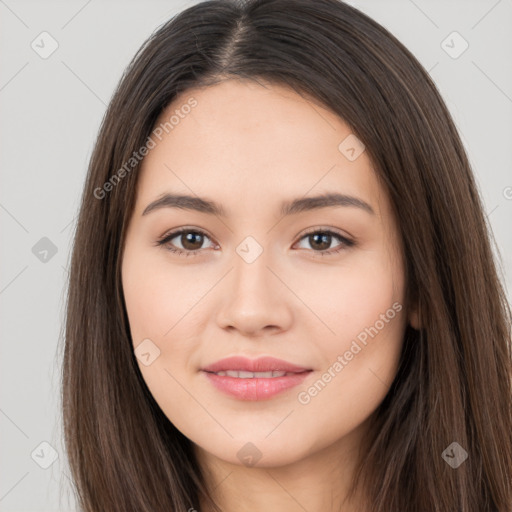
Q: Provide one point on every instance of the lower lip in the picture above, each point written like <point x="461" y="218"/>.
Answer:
<point x="255" y="388"/>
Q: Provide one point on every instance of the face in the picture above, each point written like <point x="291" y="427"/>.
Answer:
<point x="320" y="286"/>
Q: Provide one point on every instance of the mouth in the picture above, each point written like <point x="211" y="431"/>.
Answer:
<point x="254" y="379"/>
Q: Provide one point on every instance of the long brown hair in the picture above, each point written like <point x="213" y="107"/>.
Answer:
<point x="455" y="374"/>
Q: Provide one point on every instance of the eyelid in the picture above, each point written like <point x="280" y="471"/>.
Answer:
<point x="326" y="229"/>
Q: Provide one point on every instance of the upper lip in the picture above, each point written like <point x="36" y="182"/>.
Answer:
<point x="262" y="364"/>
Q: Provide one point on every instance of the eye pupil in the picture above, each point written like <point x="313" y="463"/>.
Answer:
<point x="322" y="239"/>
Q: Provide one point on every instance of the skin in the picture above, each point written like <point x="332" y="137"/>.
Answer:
<point x="249" y="146"/>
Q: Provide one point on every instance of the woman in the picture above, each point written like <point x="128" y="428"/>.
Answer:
<point x="217" y="357"/>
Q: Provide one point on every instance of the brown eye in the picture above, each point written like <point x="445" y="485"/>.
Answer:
<point x="186" y="241"/>
<point x="191" y="240"/>
<point x="321" y="240"/>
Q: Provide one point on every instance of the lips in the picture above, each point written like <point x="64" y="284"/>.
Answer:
<point x="254" y="379"/>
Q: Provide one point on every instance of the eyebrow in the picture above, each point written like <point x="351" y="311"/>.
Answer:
<point x="299" y="205"/>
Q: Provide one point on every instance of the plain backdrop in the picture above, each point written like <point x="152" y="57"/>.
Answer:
<point x="51" y="109"/>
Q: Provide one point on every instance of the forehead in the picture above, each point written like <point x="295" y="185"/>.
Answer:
<point x="245" y="143"/>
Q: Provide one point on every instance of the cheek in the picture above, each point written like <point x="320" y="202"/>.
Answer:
<point x="158" y="297"/>
<point x="361" y="308"/>
<point x="160" y="306"/>
<point x="164" y="306"/>
<point x="359" y="369"/>
<point x="350" y="297"/>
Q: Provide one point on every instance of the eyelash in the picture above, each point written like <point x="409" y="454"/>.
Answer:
<point x="164" y="241"/>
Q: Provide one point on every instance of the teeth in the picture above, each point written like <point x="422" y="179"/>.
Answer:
<point x="252" y="375"/>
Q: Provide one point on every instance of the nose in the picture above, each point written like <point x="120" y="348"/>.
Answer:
<point x="256" y="300"/>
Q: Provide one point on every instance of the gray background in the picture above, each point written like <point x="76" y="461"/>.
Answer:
<point x="51" y="109"/>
